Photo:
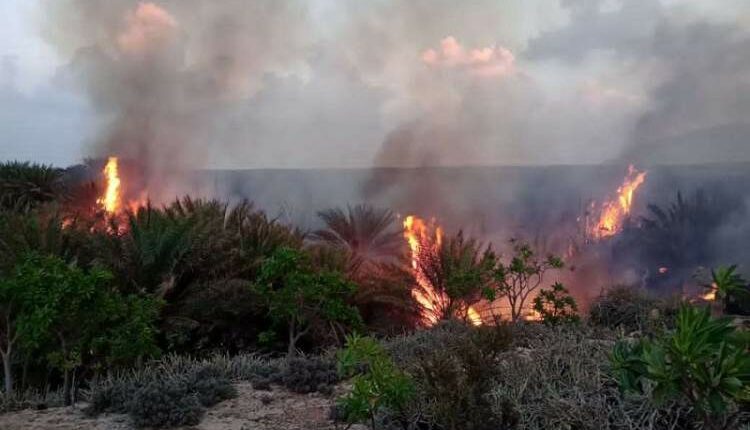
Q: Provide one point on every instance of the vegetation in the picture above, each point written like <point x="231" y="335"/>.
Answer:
<point x="704" y="361"/>
<point x="158" y="312"/>
<point x="556" y="305"/>
<point x="517" y="279"/>
<point x="299" y="296"/>
<point x="377" y="383"/>
<point x="458" y="273"/>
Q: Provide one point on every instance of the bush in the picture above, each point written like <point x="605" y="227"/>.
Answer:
<point x="211" y="386"/>
<point x="703" y="362"/>
<point x="377" y="384"/>
<point x="560" y="380"/>
<point x="556" y="305"/>
<point x="165" y="403"/>
<point x="454" y="366"/>
<point x="309" y="374"/>
<point x="623" y="307"/>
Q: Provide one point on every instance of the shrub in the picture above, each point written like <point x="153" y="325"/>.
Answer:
<point x="623" y="307"/>
<point x="455" y="382"/>
<point x="211" y="385"/>
<point x="703" y="362"/>
<point x="377" y="384"/>
<point x="165" y="403"/>
<point x="556" y="305"/>
<point x="309" y="374"/>
<point x="454" y="366"/>
<point x="560" y="380"/>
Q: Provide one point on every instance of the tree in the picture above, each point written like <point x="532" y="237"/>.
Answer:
<point x="299" y="296"/>
<point x="74" y="315"/>
<point x="368" y="233"/>
<point x="519" y="278"/>
<point x="24" y="186"/>
<point x="452" y="275"/>
<point x="704" y="360"/>
<point x="556" y="305"/>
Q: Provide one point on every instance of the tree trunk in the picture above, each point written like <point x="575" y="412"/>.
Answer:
<point x="66" y="388"/>
<point x="292" y="347"/>
<point x="7" y="373"/>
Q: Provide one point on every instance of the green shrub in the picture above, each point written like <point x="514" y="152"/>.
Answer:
<point x="309" y="374"/>
<point x="704" y="361"/>
<point x="377" y="384"/>
<point x="165" y="403"/>
<point x="556" y="305"/>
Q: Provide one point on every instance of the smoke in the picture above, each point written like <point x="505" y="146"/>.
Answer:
<point x="160" y="75"/>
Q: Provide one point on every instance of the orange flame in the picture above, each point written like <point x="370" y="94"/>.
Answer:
<point x="424" y="238"/>
<point x="710" y="296"/>
<point x="614" y="212"/>
<point x="111" y="200"/>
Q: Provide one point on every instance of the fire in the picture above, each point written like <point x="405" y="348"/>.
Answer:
<point x="111" y="200"/>
<point x="615" y="211"/>
<point x="424" y="238"/>
<point x="710" y="296"/>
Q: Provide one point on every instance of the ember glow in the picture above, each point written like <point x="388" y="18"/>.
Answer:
<point x="111" y="201"/>
<point x="425" y="238"/>
<point x="710" y="296"/>
<point x="614" y="212"/>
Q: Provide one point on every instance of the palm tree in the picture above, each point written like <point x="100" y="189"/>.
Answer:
<point x="366" y="232"/>
<point x="454" y="275"/>
<point x="725" y="283"/>
<point x="24" y="186"/>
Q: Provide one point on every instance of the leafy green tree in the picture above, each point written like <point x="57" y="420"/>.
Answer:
<point x="74" y="315"/>
<point x="299" y="296"/>
<point x="519" y="278"/>
<point x="725" y="282"/>
<point x="377" y="383"/>
<point x="556" y="305"/>
<point x="703" y="361"/>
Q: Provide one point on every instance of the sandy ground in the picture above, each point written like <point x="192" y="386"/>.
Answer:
<point x="282" y="411"/>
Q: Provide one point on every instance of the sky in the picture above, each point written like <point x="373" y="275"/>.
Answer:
<point x="326" y="83"/>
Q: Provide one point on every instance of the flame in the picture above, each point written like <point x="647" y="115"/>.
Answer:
<point x="710" y="296"/>
<point x="532" y="315"/>
<point x="111" y="200"/>
<point x="424" y="238"/>
<point x="614" y="212"/>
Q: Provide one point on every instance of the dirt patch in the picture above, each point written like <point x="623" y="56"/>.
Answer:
<point x="250" y="410"/>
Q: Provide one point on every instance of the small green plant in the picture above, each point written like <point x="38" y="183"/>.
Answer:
<point x="703" y="361"/>
<point x="556" y="305"/>
<point x="377" y="383"/>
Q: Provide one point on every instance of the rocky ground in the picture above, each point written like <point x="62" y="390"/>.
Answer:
<point x="250" y="410"/>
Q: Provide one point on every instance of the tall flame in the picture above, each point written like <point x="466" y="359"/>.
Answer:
<point x="111" y="200"/>
<point x="425" y="238"/>
<point x="614" y="212"/>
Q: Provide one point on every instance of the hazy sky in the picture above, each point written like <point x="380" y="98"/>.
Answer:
<point x="328" y="83"/>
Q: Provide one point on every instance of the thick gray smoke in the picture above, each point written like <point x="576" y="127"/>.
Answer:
<point x="161" y="74"/>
